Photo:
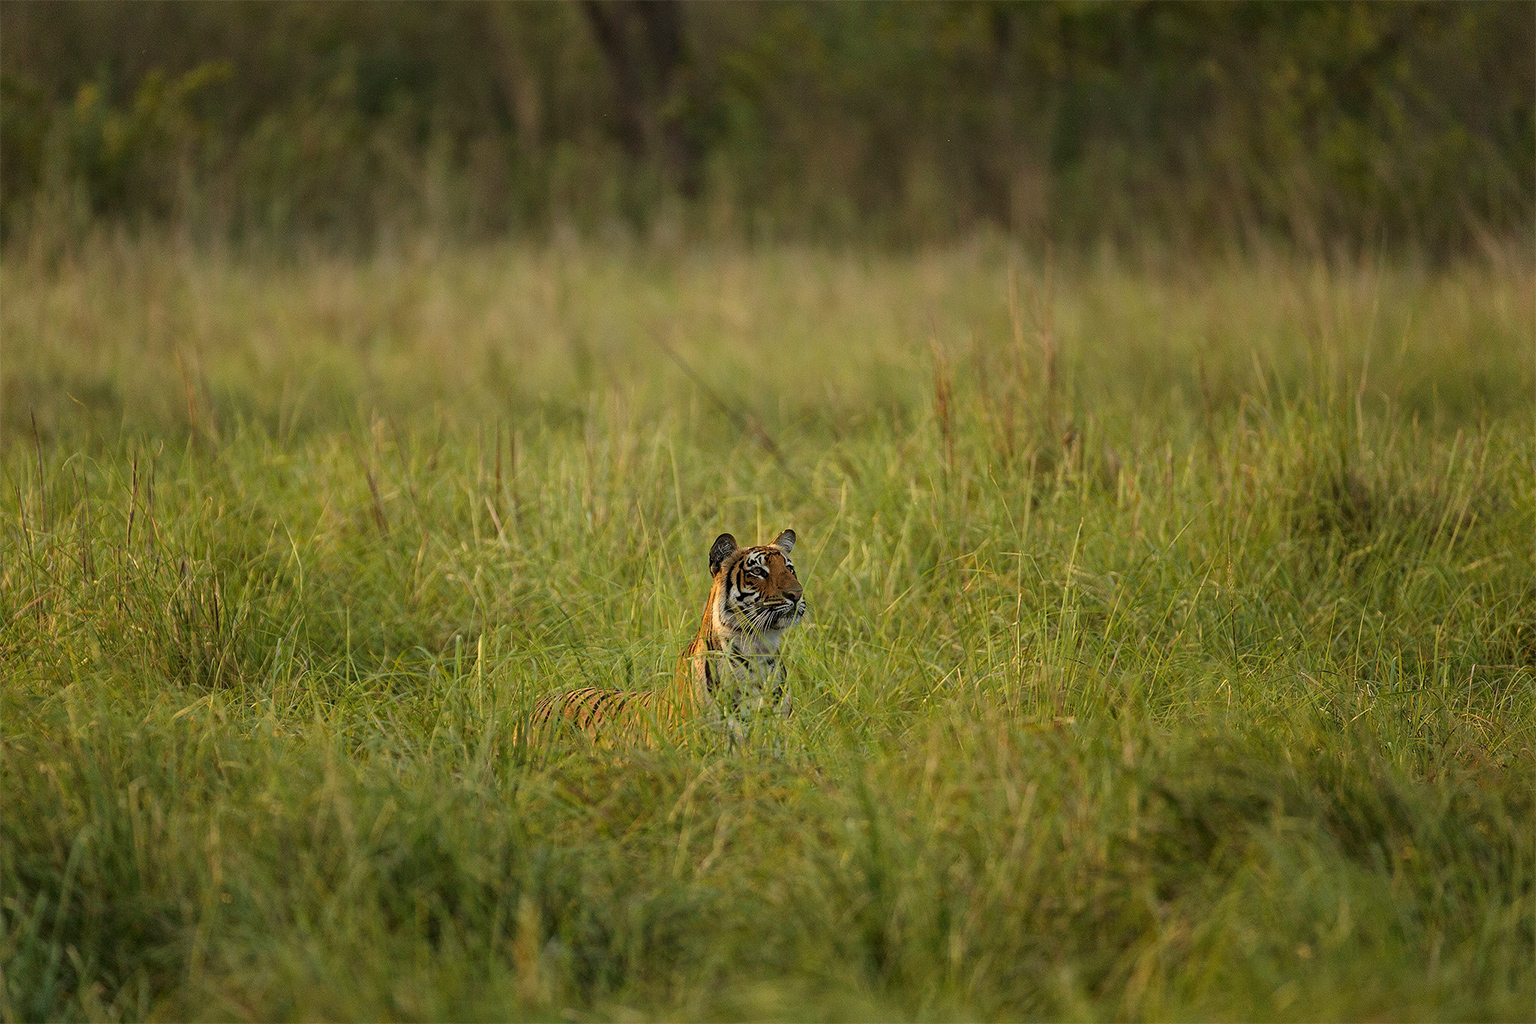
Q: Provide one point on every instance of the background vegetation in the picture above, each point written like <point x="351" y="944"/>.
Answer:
<point x="1363" y="124"/>
<point x="1151" y="387"/>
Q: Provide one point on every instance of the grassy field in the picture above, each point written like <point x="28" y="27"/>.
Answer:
<point x="1172" y="646"/>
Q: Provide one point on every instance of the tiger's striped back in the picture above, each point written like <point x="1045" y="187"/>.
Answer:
<point x="729" y="673"/>
<point x="612" y="717"/>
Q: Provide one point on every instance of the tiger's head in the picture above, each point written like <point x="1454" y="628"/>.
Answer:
<point x="756" y="589"/>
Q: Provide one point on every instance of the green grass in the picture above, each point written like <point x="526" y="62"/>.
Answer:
<point x="1172" y="649"/>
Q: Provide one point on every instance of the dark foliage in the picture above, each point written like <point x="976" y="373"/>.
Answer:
<point x="1324" y="124"/>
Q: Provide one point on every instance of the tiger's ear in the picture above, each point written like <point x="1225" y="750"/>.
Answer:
<point x="720" y="550"/>
<point x="785" y="541"/>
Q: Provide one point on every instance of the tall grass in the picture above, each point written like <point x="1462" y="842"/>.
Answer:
<point x="1172" y="645"/>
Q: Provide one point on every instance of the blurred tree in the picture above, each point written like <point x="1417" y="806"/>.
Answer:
<point x="644" y="45"/>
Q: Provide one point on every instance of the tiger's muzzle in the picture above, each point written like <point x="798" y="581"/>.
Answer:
<point x="787" y="612"/>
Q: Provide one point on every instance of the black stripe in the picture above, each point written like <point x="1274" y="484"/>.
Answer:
<point x="616" y="703"/>
<point x="597" y="710"/>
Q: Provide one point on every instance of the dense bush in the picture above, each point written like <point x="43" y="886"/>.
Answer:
<point x="1403" y="124"/>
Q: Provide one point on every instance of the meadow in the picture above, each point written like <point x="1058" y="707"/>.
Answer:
<point x="1171" y="650"/>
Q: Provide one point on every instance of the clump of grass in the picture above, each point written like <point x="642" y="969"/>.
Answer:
<point x="1222" y="708"/>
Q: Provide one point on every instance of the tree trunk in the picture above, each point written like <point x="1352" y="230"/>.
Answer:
<point x="647" y="55"/>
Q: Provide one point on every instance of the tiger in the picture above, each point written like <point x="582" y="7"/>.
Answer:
<point x="728" y="677"/>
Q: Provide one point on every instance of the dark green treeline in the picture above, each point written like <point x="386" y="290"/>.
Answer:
<point x="1373" y="124"/>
